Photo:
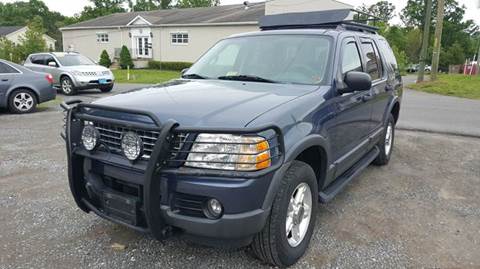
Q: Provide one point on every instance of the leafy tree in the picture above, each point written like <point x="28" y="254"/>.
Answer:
<point x="382" y="9"/>
<point x="413" y="14"/>
<point x="10" y="51"/>
<point x="413" y="45"/>
<point x="105" y="59"/>
<point x="101" y="8"/>
<point x="125" y="58"/>
<point x="197" y="3"/>
<point x="33" y="40"/>
<point x="452" y="55"/>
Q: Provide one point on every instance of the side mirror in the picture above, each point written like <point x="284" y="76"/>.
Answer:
<point x="184" y="71"/>
<point x="52" y="64"/>
<point x="356" y="81"/>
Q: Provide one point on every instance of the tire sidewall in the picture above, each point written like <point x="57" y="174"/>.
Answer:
<point x="12" y="107"/>
<point x="65" y="78"/>
<point x="288" y="254"/>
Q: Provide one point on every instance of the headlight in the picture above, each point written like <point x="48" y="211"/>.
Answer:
<point x="229" y="152"/>
<point x="90" y="136"/>
<point x="132" y="145"/>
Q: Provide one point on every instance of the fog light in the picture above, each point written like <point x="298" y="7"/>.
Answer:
<point x="214" y="209"/>
<point x="90" y="137"/>
<point x="132" y="145"/>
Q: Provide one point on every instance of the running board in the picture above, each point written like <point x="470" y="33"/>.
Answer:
<point x="341" y="182"/>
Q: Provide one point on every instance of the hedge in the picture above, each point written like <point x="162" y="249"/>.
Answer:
<point x="174" y="66"/>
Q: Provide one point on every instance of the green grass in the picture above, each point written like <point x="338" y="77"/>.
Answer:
<point x="146" y="76"/>
<point x="452" y="85"/>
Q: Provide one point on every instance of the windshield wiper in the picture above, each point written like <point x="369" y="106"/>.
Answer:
<point x="194" y="76"/>
<point x="247" y="78"/>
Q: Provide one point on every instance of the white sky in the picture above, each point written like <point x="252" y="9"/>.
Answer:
<point x="70" y="7"/>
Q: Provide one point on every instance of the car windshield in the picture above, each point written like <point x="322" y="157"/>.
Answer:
<point x="74" y="59"/>
<point x="299" y="59"/>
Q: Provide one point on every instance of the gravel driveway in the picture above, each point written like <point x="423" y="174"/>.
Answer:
<point x="420" y="211"/>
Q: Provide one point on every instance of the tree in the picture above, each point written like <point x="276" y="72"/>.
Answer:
<point x="101" y="8"/>
<point x="105" y="59"/>
<point x="125" y="58"/>
<point x="10" y="51"/>
<point x="197" y="3"/>
<point x="33" y="41"/>
<point x="413" y="14"/>
<point x="382" y="9"/>
<point x="452" y="55"/>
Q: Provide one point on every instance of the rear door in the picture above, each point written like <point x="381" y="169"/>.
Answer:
<point x="7" y="75"/>
<point x="52" y="70"/>
<point x="37" y="63"/>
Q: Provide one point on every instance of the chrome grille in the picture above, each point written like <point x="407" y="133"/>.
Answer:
<point x="92" y="73"/>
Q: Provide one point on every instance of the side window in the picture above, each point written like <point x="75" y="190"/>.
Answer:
<point x="374" y="67"/>
<point x="49" y="58"/>
<point x="38" y="59"/>
<point x="351" y="58"/>
<point x="7" y="69"/>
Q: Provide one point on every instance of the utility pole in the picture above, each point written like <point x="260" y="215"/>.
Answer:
<point x="438" y="39"/>
<point x="426" y="34"/>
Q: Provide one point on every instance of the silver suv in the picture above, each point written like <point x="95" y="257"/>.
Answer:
<point x="72" y="71"/>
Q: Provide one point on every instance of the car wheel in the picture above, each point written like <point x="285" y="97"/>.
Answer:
<point x="289" y="228"/>
<point x="22" y="101"/>
<point x="386" y="143"/>
<point x="67" y="86"/>
<point x="107" y="89"/>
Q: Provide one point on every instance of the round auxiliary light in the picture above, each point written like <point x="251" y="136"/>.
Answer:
<point x="90" y="137"/>
<point x="132" y="145"/>
<point x="214" y="208"/>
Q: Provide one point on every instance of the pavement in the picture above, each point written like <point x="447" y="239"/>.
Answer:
<point x="436" y="113"/>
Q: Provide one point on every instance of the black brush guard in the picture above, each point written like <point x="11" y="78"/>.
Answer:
<point x="158" y="162"/>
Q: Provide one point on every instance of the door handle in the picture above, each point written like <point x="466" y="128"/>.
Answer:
<point x="4" y="79"/>
<point x="367" y="98"/>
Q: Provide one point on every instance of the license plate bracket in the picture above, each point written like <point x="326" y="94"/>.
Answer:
<point x="121" y="207"/>
<point x="102" y="81"/>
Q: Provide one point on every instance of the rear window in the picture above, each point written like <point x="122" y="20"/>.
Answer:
<point x="7" y="69"/>
<point x="37" y="59"/>
<point x="387" y="52"/>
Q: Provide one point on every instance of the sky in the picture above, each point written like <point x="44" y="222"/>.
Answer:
<point x="71" y="7"/>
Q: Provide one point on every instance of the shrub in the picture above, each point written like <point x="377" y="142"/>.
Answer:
<point x="125" y="58"/>
<point x="105" y="59"/>
<point x="174" y="66"/>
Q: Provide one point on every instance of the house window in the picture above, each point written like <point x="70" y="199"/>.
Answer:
<point x="179" y="38"/>
<point x="102" y="38"/>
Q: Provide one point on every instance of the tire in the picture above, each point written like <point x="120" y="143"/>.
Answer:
<point x="386" y="143"/>
<point x="273" y="245"/>
<point x="107" y="89"/>
<point x="22" y="101"/>
<point x="67" y="87"/>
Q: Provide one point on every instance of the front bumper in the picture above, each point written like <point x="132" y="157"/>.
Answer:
<point x="92" y="82"/>
<point x="167" y="197"/>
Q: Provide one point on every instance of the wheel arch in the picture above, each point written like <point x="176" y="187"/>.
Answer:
<point x="395" y="111"/>
<point x="23" y="87"/>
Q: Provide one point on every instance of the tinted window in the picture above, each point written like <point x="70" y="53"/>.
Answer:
<point x="49" y="58"/>
<point x="388" y="54"/>
<point x="38" y="59"/>
<point x="74" y="59"/>
<point x="282" y="58"/>
<point x="351" y="58"/>
<point x="373" y="60"/>
<point x="7" y="69"/>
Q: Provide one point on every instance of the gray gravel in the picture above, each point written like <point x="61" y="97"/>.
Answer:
<point x="420" y="211"/>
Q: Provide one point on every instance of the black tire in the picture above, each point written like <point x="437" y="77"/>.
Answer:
<point x="67" y="87"/>
<point x="22" y="101"/>
<point x="384" y="157"/>
<point x="107" y="89"/>
<point x="271" y="244"/>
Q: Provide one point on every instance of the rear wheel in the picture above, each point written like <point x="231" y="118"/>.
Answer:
<point x="66" y="85"/>
<point x="22" y="101"/>
<point x="386" y="143"/>
<point x="289" y="228"/>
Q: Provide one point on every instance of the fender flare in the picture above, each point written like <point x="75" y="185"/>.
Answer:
<point x="394" y="101"/>
<point x="293" y="152"/>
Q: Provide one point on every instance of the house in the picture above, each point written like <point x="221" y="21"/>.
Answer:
<point x="15" y="33"/>
<point x="175" y="35"/>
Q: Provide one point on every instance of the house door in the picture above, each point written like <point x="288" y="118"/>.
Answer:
<point x="144" y="47"/>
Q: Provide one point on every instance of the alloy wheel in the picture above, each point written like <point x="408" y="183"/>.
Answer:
<point x="298" y="214"/>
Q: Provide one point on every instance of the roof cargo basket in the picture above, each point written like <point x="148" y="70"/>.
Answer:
<point x="348" y="19"/>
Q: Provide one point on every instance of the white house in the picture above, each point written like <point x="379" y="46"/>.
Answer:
<point x="176" y="35"/>
<point x="15" y="33"/>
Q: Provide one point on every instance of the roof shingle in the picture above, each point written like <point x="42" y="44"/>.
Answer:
<point x="217" y="14"/>
<point x="5" y="30"/>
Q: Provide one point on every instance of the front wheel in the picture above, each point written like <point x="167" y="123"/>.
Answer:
<point x="67" y="86"/>
<point x="289" y="228"/>
<point x="386" y="143"/>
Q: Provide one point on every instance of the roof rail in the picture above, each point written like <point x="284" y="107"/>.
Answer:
<point x="347" y="19"/>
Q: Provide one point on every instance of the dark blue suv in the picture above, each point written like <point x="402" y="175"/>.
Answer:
<point x="245" y="144"/>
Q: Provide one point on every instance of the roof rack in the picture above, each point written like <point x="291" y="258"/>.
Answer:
<point x="345" y="19"/>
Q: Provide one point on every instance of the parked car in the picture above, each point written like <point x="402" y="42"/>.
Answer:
<point x="21" y="90"/>
<point x="412" y="68"/>
<point x="72" y="71"/>
<point x="428" y="68"/>
<point x="244" y="145"/>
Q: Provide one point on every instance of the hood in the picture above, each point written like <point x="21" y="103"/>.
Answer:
<point x="85" y="68"/>
<point x="208" y="103"/>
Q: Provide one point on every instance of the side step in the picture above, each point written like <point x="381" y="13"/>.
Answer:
<point x="341" y="182"/>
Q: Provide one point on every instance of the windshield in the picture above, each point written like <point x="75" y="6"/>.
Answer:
<point x="74" y="59"/>
<point x="299" y="59"/>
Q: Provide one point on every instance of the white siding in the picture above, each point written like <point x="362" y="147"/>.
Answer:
<point x="17" y="36"/>
<point x="292" y="6"/>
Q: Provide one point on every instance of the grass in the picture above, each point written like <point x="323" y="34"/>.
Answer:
<point x="146" y="76"/>
<point x="451" y="85"/>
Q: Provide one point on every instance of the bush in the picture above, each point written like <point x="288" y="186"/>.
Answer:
<point x="125" y="58"/>
<point x="174" y="66"/>
<point x="105" y="59"/>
